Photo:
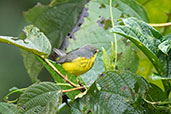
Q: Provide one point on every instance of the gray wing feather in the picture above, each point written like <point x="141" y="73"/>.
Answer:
<point x="59" y="52"/>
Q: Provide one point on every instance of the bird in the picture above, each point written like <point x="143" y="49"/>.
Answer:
<point x="79" y="61"/>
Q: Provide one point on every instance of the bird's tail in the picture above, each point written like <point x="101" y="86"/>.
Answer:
<point x="57" y="53"/>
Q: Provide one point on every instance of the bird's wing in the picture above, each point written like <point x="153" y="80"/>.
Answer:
<point x="60" y="53"/>
<point x="75" y="54"/>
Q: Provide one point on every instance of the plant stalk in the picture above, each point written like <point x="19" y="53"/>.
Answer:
<point x="160" y="25"/>
<point x="115" y="39"/>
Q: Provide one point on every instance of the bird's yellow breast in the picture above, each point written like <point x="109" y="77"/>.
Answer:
<point x="79" y="65"/>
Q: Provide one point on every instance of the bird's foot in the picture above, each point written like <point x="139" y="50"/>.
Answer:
<point x="80" y="83"/>
<point x="66" y="77"/>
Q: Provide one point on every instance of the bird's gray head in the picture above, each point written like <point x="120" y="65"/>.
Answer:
<point x="90" y="48"/>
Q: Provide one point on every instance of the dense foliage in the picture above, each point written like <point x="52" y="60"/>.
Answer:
<point x="138" y="83"/>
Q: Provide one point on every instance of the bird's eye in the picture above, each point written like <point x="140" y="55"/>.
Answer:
<point x="95" y="51"/>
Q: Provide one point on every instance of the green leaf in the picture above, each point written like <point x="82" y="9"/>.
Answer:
<point x="93" y="29"/>
<point x="128" y="7"/>
<point x="135" y="9"/>
<point x="121" y="83"/>
<point x="44" y="98"/>
<point x="32" y="65"/>
<point x="6" y="108"/>
<point x="146" y="29"/>
<point x="115" y="95"/>
<point x="34" y="41"/>
<point x="156" y="95"/>
<point x="165" y="46"/>
<point x="152" y="11"/>
<point x="153" y="93"/>
<point x="144" y="37"/>
<point x="158" y="9"/>
<point x="128" y="59"/>
<point x="146" y="69"/>
<point x="57" y="19"/>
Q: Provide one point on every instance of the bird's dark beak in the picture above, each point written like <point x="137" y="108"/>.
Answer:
<point x="99" y="50"/>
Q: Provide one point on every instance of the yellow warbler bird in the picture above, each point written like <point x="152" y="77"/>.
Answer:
<point x="78" y="61"/>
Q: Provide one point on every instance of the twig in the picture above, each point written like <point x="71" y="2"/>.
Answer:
<point x="160" y="25"/>
<point x="61" y="75"/>
<point x="73" y="89"/>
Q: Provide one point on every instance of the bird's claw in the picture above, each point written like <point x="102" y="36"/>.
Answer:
<point x="66" y="77"/>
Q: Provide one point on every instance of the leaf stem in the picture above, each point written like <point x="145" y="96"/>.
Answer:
<point x="115" y="39"/>
<point x="61" y="75"/>
<point x="13" y="101"/>
<point x="157" y="102"/>
<point x="160" y="25"/>
<point x="15" y="91"/>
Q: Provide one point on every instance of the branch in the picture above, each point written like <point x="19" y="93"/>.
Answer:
<point x="61" y="75"/>
<point x="69" y="90"/>
<point x="160" y="25"/>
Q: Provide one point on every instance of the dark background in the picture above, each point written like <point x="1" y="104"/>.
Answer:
<point x="12" y="70"/>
